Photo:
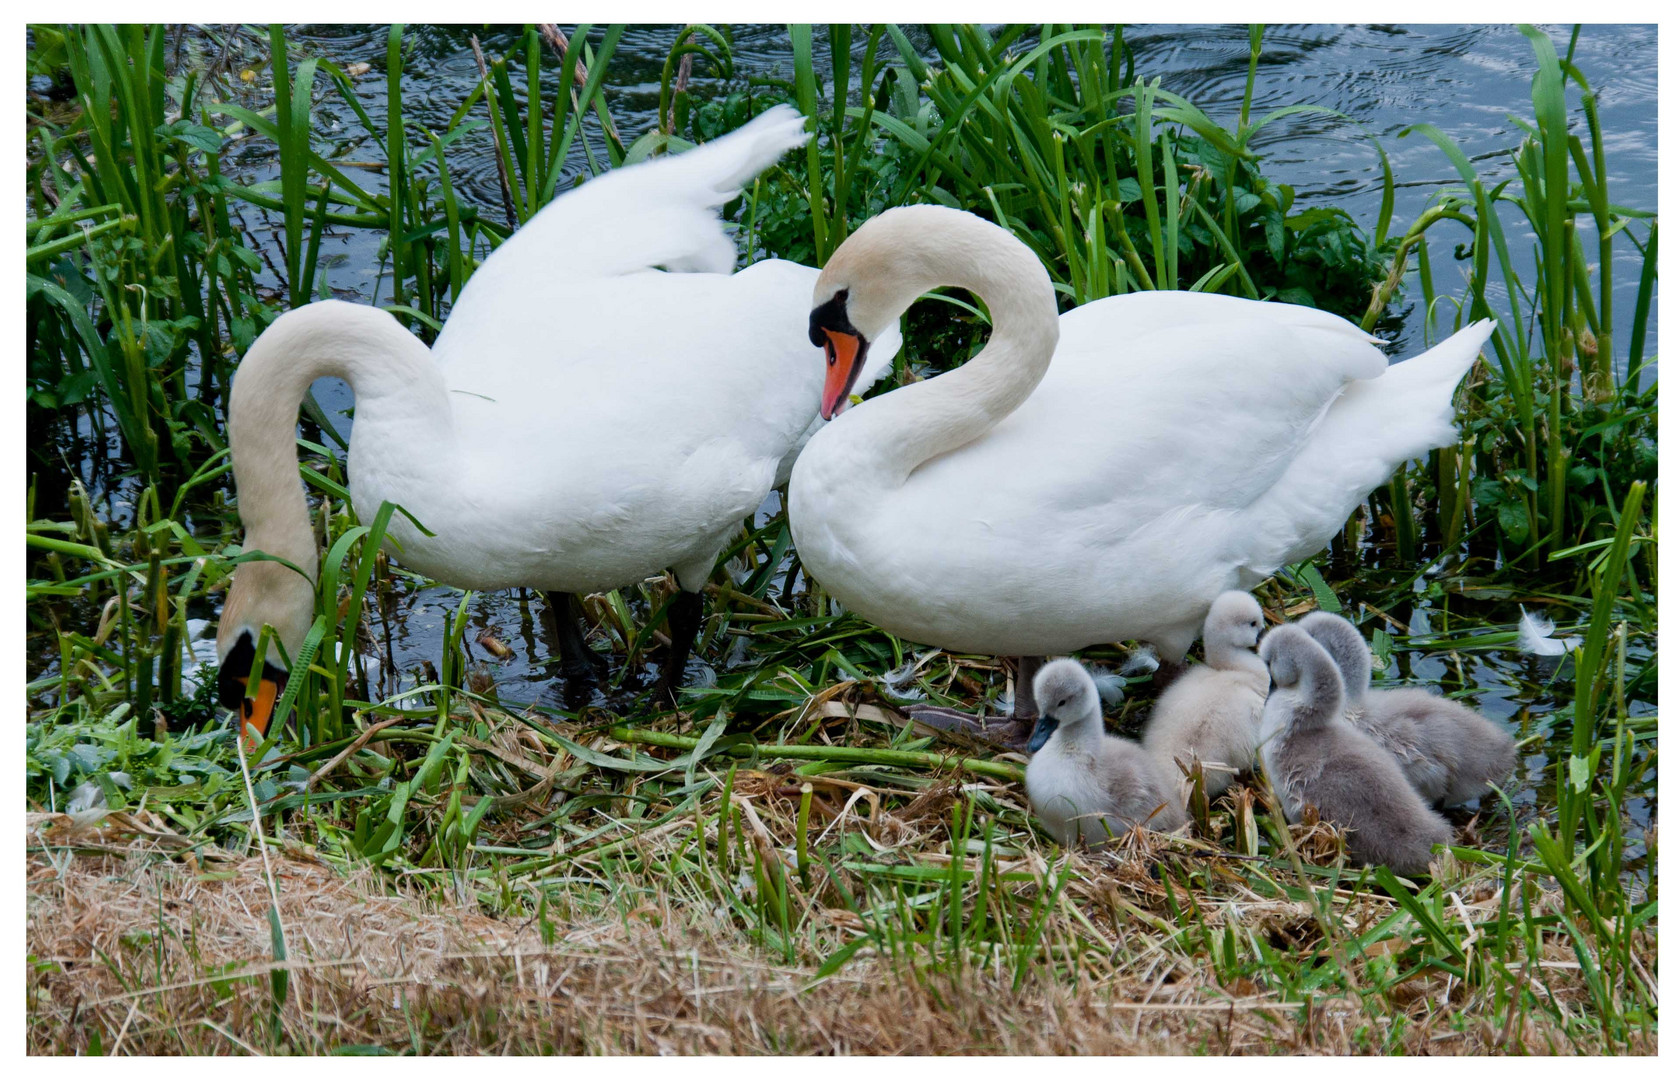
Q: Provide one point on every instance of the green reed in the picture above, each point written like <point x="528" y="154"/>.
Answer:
<point x="1562" y="428"/>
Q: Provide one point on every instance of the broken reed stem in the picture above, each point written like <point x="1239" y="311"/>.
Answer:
<point x="489" y="101"/>
<point x="262" y="844"/>
<point x="852" y="755"/>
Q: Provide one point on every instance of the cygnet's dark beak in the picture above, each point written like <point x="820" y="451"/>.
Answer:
<point x="1040" y="734"/>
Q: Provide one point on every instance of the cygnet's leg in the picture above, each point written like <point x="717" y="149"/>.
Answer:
<point x="577" y="660"/>
<point x="1011" y="731"/>
<point x="683" y="622"/>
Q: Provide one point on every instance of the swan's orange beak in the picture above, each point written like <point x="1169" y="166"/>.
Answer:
<point x="256" y="712"/>
<point x="845" y="354"/>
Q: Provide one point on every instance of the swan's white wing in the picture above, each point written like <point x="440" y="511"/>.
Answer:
<point x="1157" y="404"/>
<point x="660" y="213"/>
<point x="1372" y="428"/>
<point x="616" y="430"/>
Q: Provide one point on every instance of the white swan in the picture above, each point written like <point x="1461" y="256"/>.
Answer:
<point x="1450" y="753"/>
<point x="1083" y="783"/>
<point x="583" y="421"/>
<point x="1211" y="712"/>
<point x="1181" y="444"/>
<point x="1313" y="757"/>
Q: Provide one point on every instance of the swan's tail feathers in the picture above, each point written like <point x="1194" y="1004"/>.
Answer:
<point x="1375" y="426"/>
<point x="659" y="213"/>
<point x="718" y="170"/>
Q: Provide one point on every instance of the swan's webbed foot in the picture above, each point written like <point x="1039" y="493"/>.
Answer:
<point x="1005" y="732"/>
<point x="1009" y="732"/>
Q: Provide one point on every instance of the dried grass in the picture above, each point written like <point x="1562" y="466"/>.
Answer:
<point x="137" y="949"/>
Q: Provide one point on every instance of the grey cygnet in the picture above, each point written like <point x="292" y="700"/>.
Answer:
<point x="1314" y="757"/>
<point x="1448" y="752"/>
<point x="1082" y="782"/>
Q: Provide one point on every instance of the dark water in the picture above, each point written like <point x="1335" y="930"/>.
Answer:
<point x="1466" y="80"/>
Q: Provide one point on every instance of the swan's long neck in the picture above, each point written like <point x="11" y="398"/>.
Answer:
<point x="1321" y="699"/>
<point x="390" y="371"/>
<point x="908" y="427"/>
<point x="1227" y="657"/>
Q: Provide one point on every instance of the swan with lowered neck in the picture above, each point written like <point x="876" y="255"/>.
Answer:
<point x="1313" y="757"/>
<point x="1449" y="753"/>
<point x="584" y="420"/>
<point x="1211" y="712"/>
<point x="1181" y="444"/>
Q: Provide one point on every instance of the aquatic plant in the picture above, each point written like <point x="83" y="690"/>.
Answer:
<point x="1561" y="428"/>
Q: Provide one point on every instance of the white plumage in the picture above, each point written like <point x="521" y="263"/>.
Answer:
<point x="585" y="418"/>
<point x="1179" y="445"/>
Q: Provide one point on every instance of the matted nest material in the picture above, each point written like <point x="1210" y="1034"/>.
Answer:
<point x="369" y="968"/>
<point x="149" y="949"/>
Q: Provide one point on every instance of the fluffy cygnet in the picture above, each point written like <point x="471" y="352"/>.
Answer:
<point x="1081" y="781"/>
<point x="1449" y="753"/>
<point x="1314" y="757"/>
<point x="1211" y="712"/>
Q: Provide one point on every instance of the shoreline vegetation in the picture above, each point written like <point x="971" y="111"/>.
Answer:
<point x="788" y="863"/>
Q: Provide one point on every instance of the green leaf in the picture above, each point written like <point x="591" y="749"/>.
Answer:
<point x="279" y="979"/>
<point x="1326" y="598"/>
<point x="1512" y="519"/>
<point x="1579" y="773"/>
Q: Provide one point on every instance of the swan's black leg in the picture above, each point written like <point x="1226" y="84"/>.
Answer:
<point x="1013" y="731"/>
<point x="1025" y="701"/>
<point x="577" y="660"/>
<point x="683" y="622"/>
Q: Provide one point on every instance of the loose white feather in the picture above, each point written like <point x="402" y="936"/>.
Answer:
<point x="1109" y="687"/>
<point x="1143" y="661"/>
<point x="899" y="683"/>
<point x="1533" y="636"/>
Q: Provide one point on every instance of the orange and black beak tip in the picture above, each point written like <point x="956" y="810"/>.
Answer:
<point x="255" y="707"/>
<point x="844" y="352"/>
<point x="843" y="346"/>
<point x="256" y="712"/>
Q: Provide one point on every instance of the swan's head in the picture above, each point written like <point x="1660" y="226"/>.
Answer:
<point x="1346" y="647"/>
<point x="1066" y="697"/>
<point x="262" y="592"/>
<point x="894" y="257"/>
<point x="1303" y="676"/>
<point x="1235" y="621"/>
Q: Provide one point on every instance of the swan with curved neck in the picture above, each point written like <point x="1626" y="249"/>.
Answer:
<point x="554" y="437"/>
<point x="1179" y="445"/>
